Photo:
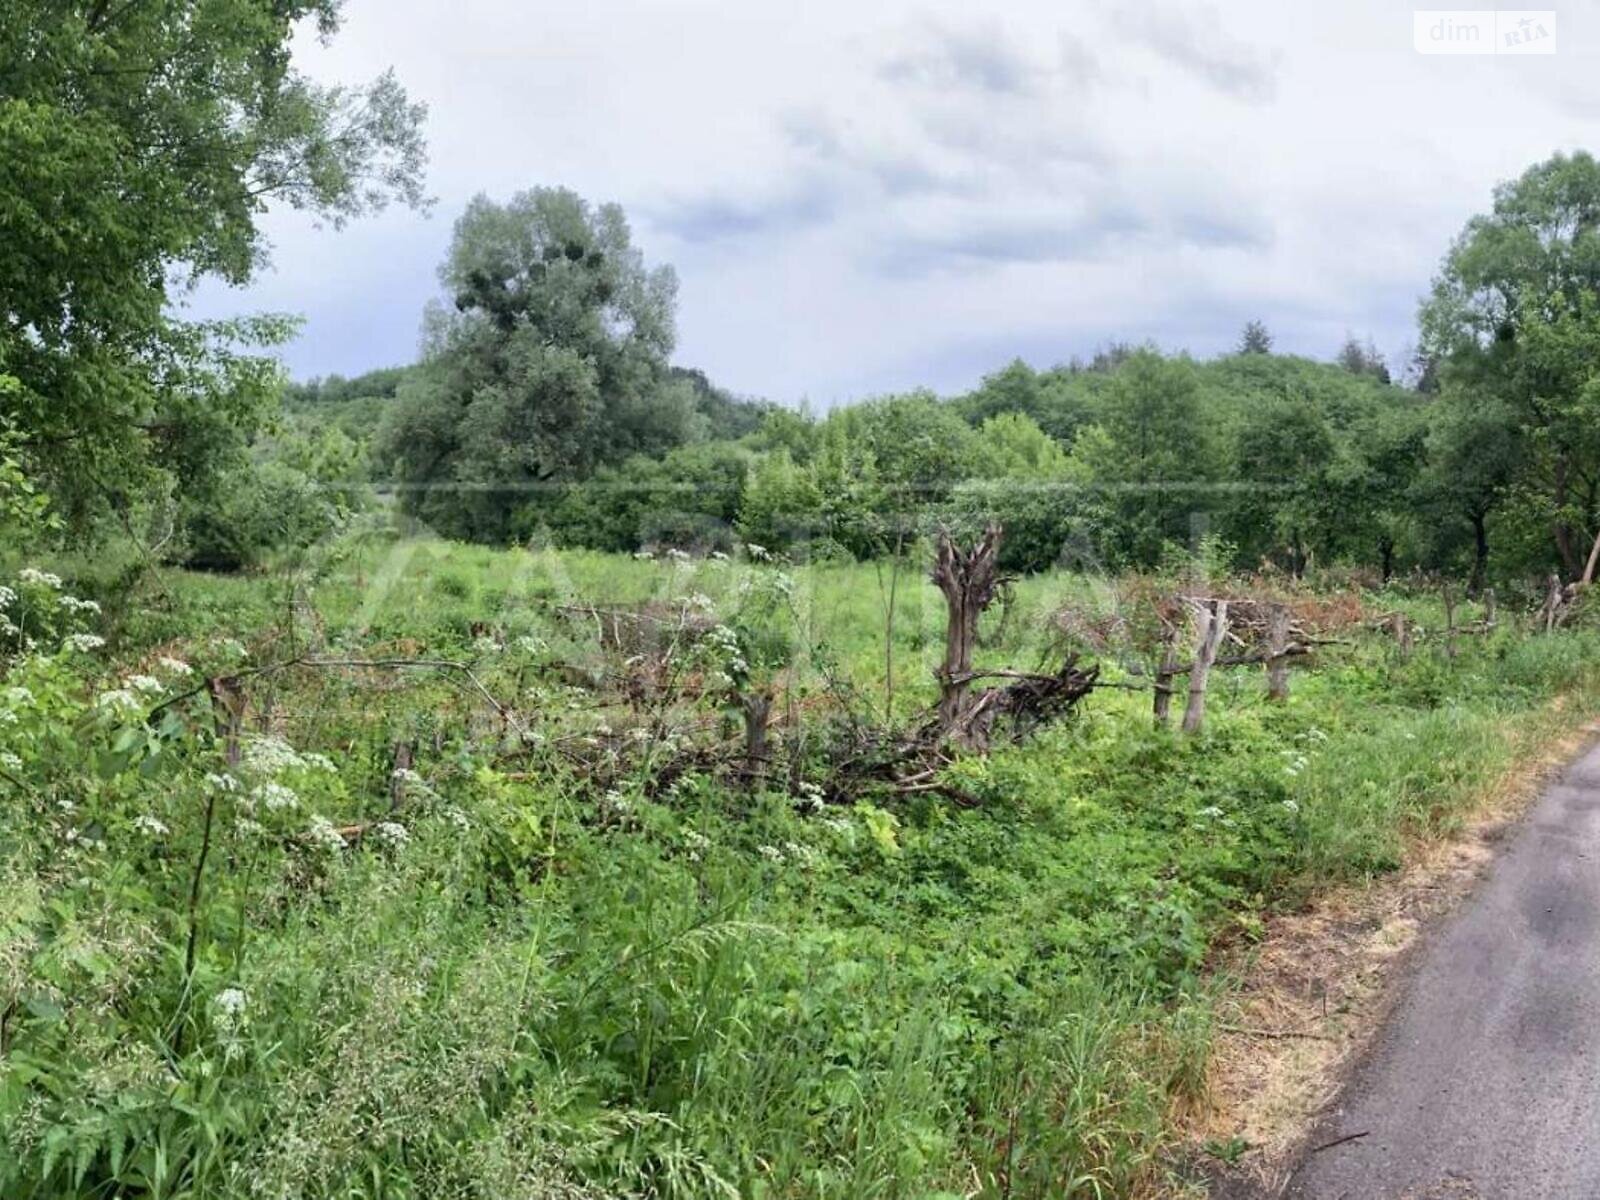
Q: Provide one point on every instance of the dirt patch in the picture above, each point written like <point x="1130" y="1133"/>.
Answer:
<point x="1308" y="996"/>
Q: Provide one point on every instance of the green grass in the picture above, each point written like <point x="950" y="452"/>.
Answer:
<point x="546" y="988"/>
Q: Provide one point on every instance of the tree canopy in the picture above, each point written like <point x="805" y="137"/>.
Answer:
<point x="139" y="145"/>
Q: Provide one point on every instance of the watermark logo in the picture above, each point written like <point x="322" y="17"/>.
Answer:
<point x="1484" y="31"/>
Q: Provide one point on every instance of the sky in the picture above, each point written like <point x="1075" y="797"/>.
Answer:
<point x="870" y="196"/>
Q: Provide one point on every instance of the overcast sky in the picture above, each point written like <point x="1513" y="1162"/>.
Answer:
<point x="867" y="196"/>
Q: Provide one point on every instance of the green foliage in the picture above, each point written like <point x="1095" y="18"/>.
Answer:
<point x="138" y="146"/>
<point x="514" y="984"/>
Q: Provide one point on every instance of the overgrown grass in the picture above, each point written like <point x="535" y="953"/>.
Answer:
<point x="535" y="989"/>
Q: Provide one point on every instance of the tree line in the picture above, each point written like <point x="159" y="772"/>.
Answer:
<point x="139" y="146"/>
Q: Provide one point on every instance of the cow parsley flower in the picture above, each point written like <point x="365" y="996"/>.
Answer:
<point x="10" y="761"/>
<point x="324" y="835"/>
<point x="119" y="700"/>
<point x="83" y="642"/>
<point x="392" y="834"/>
<point x="221" y="782"/>
<point x="148" y="684"/>
<point x="150" y="826"/>
<point x="18" y="696"/>
<point x="7" y="597"/>
<point x="770" y="853"/>
<point x="40" y="578"/>
<point x="74" y="605"/>
<point x="274" y="797"/>
<point x="174" y="666"/>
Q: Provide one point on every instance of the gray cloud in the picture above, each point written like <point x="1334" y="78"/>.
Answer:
<point x="981" y="59"/>
<point x="718" y="217"/>
<point x="1195" y="41"/>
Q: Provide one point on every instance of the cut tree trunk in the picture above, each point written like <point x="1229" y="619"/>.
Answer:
<point x="1211" y="625"/>
<point x="1278" y="652"/>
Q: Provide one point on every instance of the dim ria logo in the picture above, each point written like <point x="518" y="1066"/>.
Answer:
<point x="1484" y="31"/>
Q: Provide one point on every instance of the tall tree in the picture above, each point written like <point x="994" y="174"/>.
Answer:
<point x="139" y="145"/>
<point x="1255" y="339"/>
<point x="550" y="361"/>
<point x="1515" y="315"/>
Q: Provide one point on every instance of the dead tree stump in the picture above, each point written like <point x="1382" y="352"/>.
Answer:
<point x="756" y="708"/>
<point x="1211" y="626"/>
<point x="969" y="580"/>
<point x="1278" y="652"/>
<point x="1402" y="631"/>
<point x="1165" y="673"/>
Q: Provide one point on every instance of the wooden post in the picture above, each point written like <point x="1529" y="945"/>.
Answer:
<point x="1488" y="608"/>
<point x="1164" y="674"/>
<point x="757" y="708"/>
<point x="1552" y="602"/>
<point x="1402" y="632"/>
<point x="969" y="580"/>
<point x="1277" y="652"/>
<point x="1211" y="623"/>
<point x="1449" y="622"/>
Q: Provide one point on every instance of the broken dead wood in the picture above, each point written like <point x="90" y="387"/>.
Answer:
<point x="969" y="580"/>
<point x="1211" y="626"/>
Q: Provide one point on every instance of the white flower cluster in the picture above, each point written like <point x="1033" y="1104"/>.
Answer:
<point x="391" y="834"/>
<point x="147" y="684"/>
<point x="10" y="761"/>
<point x="16" y="697"/>
<point x="324" y="835"/>
<point x="1296" y="763"/>
<point x="174" y="666"/>
<point x="7" y="597"/>
<point x="274" y="797"/>
<point x="222" y="782"/>
<point x="771" y="853"/>
<point x="457" y="819"/>
<point x="757" y="553"/>
<point x="74" y="605"/>
<point x="810" y="798"/>
<point x="700" y="602"/>
<point x="83" y="642"/>
<point x="150" y="826"/>
<point x="644" y="556"/>
<point x="724" y="642"/>
<point x="678" y="556"/>
<point x="119" y="700"/>
<point x="230" y="1004"/>
<point x="698" y="844"/>
<point x="268" y="754"/>
<point x="718" y="556"/>
<point x="40" y="578"/>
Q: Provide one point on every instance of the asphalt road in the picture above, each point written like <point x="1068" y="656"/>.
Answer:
<point x="1485" y="1082"/>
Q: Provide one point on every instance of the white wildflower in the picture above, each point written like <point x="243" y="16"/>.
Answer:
<point x="1210" y="812"/>
<point x="223" y="782"/>
<point x="150" y="826"/>
<point x="644" y="555"/>
<point x="528" y="644"/>
<point x="83" y="642"/>
<point x="10" y="761"/>
<point x="174" y="666"/>
<point x="74" y="605"/>
<point x="274" y="797"/>
<point x="7" y="597"/>
<point x="770" y="853"/>
<point x="148" y="684"/>
<point x="245" y="827"/>
<point x="485" y="645"/>
<point x="458" y="819"/>
<point x="317" y="762"/>
<point x="758" y="553"/>
<point x="119" y="700"/>
<point x="40" y="578"/>
<point x="677" y="556"/>
<point x="718" y="556"/>
<point x="230" y="1004"/>
<point x="267" y="755"/>
<point x="1291" y="806"/>
<point x="392" y="834"/>
<point x="18" y="696"/>
<point x="701" y="602"/>
<point x="324" y="835"/>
